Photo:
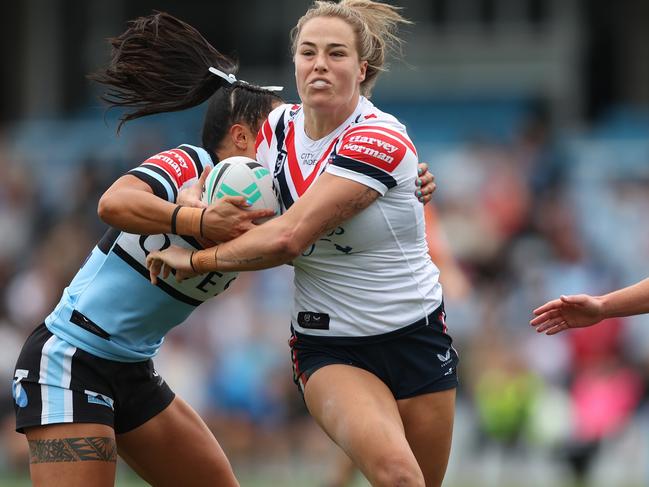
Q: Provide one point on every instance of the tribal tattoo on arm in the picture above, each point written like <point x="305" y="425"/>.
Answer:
<point x="96" y="448"/>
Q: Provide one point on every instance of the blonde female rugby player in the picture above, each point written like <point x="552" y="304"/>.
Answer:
<point x="369" y="344"/>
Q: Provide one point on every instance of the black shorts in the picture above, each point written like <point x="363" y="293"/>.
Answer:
<point x="411" y="361"/>
<point x="55" y="382"/>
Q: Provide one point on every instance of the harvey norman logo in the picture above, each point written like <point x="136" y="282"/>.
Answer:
<point x="373" y="150"/>
<point x="367" y="151"/>
<point x="173" y="159"/>
<point x="381" y="144"/>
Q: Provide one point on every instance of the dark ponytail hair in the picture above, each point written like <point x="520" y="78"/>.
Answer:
<point x="161" y="64"/>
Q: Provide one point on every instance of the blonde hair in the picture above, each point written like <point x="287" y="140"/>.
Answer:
<point x="374" y="25"/>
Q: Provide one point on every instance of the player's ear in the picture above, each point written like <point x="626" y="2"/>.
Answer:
<point x="363" y="71"/>
<point x="240" y="136"/>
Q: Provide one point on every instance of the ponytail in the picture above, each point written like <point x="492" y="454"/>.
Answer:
<point x="161" y="64"/>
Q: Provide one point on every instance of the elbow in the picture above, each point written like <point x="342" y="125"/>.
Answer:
<point x="288" y="246"/>
<point x="108" y="209"/>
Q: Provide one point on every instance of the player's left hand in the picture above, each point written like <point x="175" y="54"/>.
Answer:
<point x="162" y="262"/>
<point x="425" y="183"/>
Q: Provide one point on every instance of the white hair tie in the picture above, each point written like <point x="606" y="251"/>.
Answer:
<point x="230" y="78"/>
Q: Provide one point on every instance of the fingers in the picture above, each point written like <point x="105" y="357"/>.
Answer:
<point x="576" y="299"/>
<point x="554" y="304"/>
<point x="153" y="264"/>
<point x="548" y="315"/>
<point x="239" y="201"/>
<point x="256" y="214"/>
<point x="203" y="177"/>
<point x="426" y="179"/>
<point x="561" y="327"/>
<point x="191" y="197"/>
<point x="552" y="323"/>
<point x="425" y="187"/>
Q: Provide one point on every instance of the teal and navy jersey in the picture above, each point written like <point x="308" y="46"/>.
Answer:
<point x="111" y="309"/>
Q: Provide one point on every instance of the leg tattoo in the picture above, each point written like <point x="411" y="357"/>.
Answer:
<point x="73" y="450"/>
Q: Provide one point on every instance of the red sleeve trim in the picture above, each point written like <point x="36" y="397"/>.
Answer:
<point x="177" y="164"/>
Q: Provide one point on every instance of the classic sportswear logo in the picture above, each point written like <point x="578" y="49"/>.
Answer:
<point x="444" y="358"/>
<point x="101" y="399"/>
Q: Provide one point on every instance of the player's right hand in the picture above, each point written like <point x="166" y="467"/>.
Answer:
<point x="576" y="311"/>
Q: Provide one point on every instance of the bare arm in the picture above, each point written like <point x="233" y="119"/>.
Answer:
<point x="632" y="300"/>
<point x="130" y="205"/>
<point x="330" y="201"/>
<point x="584" y="310"/>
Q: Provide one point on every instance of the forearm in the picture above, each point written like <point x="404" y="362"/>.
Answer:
<point x="134" y="210"/>
<point x="266" y="246"/>
<point x="629" y="301"/>
<point x="326" y="205"/>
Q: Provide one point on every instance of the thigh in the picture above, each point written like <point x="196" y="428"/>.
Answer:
<point x="72" y="455"/>
<point x="428" y="424"/>
<point x="175" y="447"/>
<point x="360" y="414"/>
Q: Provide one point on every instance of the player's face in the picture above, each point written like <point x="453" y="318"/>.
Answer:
<point x="328" y="71"/>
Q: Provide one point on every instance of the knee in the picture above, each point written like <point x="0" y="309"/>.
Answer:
<point x="398" y="472"/>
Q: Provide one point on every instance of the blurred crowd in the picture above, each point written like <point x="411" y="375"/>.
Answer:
<point x="516" y="220"/>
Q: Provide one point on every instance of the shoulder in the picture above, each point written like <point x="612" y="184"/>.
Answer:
<point x="376" y="127"/>
<point x="282" y="113"/>
<point x="377" y="142"/>
<point x="181" y="163"/>
<point x="187" y="159"/>
<point x="198" y="155"/>
<point x="372" y="115"/>
<point x="275" y="124"/>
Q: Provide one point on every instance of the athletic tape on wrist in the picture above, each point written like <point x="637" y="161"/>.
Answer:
<point x="204" y="261"/>
<point x="188" y="221"/>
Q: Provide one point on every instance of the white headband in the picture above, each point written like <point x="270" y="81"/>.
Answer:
<point x="230" y="78"/>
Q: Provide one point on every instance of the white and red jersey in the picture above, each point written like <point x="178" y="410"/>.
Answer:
<point x="372" y="274"/>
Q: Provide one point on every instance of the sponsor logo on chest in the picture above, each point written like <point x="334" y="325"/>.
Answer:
<point x="308" y="159"/>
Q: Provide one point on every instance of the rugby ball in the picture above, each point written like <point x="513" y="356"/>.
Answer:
<point x="242" y="176"/>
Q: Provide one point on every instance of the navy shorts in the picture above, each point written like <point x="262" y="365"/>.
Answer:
<point x="55" y="382"/>
<point x="411" y="361"/>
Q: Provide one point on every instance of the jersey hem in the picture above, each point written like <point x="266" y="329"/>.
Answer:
<point x="352" y="340"/>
